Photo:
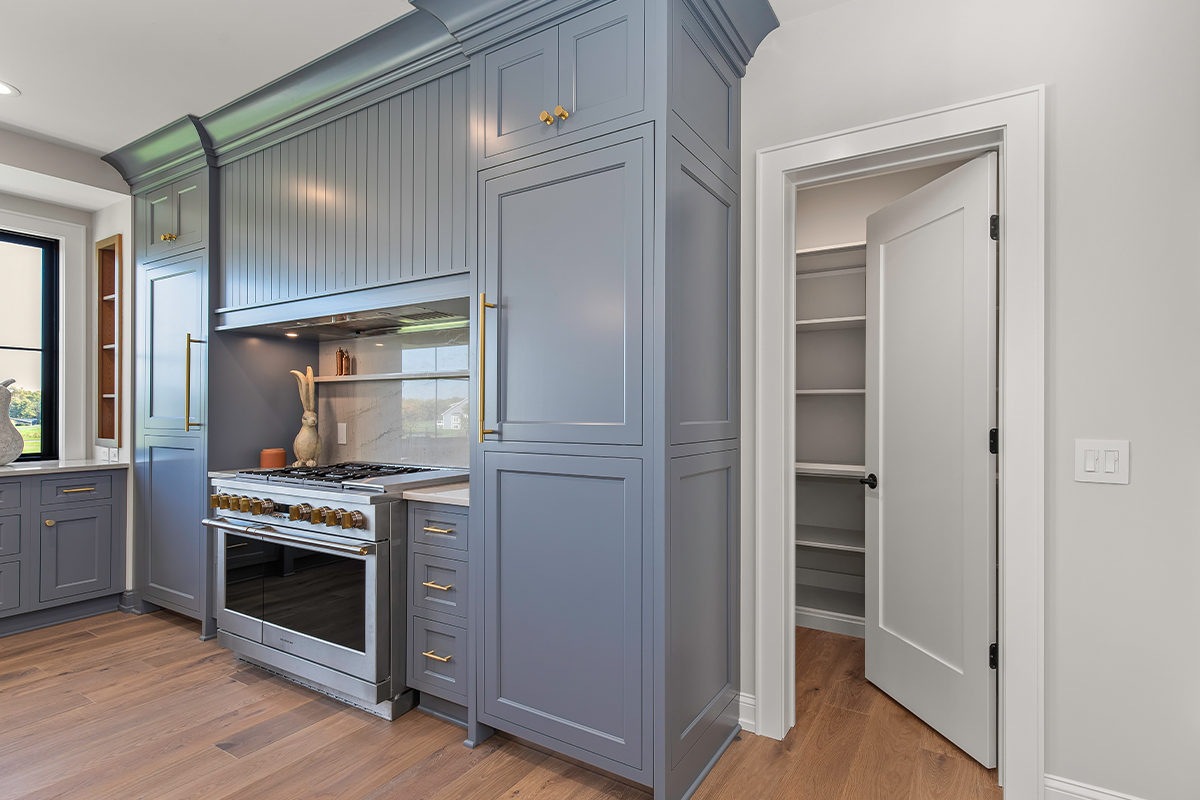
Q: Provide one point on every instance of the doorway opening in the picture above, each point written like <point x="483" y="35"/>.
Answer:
<point x="1010" y="125"/>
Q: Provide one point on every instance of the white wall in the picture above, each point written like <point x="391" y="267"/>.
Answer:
<point x="118" y="218"/>
<point x="1123" y="284"/>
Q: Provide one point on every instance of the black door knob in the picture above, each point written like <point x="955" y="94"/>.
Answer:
<point x="870" y="480"/>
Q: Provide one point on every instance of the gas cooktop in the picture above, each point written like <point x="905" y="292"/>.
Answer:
<point x="356" y="475"/>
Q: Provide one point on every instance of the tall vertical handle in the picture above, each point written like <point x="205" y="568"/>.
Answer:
<point x="187" y="385"/>
<point x="483" y="306"/>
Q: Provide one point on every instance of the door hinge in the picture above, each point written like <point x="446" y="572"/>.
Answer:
<point x="994" y="656"/>
<point x="994" y="441"/>
<point x="994" y="228"/>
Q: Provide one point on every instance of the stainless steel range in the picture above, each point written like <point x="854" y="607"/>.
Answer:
<point x="310" y="566"/>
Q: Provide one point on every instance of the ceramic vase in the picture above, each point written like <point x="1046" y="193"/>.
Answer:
<point x="11" y="443"/>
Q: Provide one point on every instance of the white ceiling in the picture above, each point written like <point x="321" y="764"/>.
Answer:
<point x="98" y="75"/>
<point x="788" y="10"/>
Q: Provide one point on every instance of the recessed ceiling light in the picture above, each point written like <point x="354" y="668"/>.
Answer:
<point x="291" y="335"/>
<point x="8" y="88"/>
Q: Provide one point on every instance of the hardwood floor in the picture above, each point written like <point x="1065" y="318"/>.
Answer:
<point x="128" y="707"/>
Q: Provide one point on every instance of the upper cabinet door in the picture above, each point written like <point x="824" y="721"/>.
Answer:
<point x="175" y="216"/>
<point x="520" y="82"/>
<point x="173" y="300"/>
<point x="564" y="262"/>
<point x="602" y="65"/>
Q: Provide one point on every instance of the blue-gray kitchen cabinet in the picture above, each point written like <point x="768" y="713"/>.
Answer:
<point x="173" y="548"/>
<point x="566" y="640"/>
<point x="75" y="550"/>
<point x="175" y="218"/>
<point x="564" y="253"/>
<point x="170" y="362"/>
<point x="592" y="66"/>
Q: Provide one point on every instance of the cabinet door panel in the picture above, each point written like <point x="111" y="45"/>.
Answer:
<point x="76" y="551"/>
<point x="10" y="587"/>
<point x="702" y="293"/>
<point x="10" y="535"/>
<point x="564" y="644"/>
<point x="520" y="82"/>
<point x="189" y="211"/>
<point x="160" y="221"/>
<point x="564" y="262"/>
<point x="602" y="57"/>
<point x="172" y="301"/>
<point x="172" y="480"/>
<point x="704" y="90"/>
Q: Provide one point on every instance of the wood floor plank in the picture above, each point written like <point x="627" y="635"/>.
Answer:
<point x="256" y="737"/>
<point x="439" y="768"/>
<point x="504" y="769"/>
<point x="822" y="765"/>
<point x="884" y="765"/>
<point x="941" y="777"/>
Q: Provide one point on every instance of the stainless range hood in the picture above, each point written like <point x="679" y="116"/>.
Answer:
<point x="377" y="322"/>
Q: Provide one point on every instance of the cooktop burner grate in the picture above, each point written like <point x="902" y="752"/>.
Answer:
<point x="333" y="473"/>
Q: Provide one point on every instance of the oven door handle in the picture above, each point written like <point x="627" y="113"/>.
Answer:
<point x="267" y="533"/>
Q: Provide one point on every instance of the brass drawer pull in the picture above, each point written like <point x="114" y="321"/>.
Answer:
<point x="433" y="585"/>
<point x="49" y="523"/>
<point x="431" y="529"/>
<point x="72" y="491"/>
<point x="436" y="657"/>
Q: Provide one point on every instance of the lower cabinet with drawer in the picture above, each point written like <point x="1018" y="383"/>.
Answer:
<point x="62" y="547"/>
<point x="438" y="607"/>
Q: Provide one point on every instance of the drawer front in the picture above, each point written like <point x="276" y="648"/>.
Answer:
<point x="438" y="584"/>
<point x="437" y="659"/>
<point x="10" y="586"/>
<point x="10" y="494"/>
<point x="437" y="526"/>
<point x="78" y="489"/>
<point x="10" y="535"/>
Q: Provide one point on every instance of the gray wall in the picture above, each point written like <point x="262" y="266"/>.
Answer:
<point x="1123" y="286"/>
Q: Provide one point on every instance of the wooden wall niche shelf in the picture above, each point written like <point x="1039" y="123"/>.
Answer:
<point x="109" y="344"/>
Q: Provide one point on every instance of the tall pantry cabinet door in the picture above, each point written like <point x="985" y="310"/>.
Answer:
<point x="564" y="635"/>
<point x="520" y="82"/>
<point x="171" y="298"/>
<point x="170" y="488"/>
<point x="565" y="257"/>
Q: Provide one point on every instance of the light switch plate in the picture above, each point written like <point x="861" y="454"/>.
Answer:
<point x="1102" y="461"/>
<point x="341" y="433"/>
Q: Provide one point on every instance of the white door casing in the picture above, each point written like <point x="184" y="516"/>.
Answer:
<point x="931" y="403"/>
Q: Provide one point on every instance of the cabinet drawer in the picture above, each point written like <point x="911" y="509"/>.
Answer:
<point x="82" y="488"/>
<point x="437" y="659"/>
<point x="10" y="535"/>
<point x="10" y="586"/>
<point x="437" y="526"/>
<point x="438" y="584"/>
<point x="10" y="495"/>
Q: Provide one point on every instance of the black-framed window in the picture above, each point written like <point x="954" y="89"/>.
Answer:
<point x="29" y="339"/>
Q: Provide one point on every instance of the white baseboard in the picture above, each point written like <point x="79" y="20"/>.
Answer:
<point x="747" y="715"/>
<point x="1063" y="789"/>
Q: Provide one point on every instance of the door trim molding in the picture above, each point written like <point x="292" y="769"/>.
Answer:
<point x="1014" y="125"/>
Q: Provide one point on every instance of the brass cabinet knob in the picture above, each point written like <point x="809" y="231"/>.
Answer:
<point x="318" y="515"/>
<point x="300" y="511"/>
<point x="244" y="505"/>
<point x="353" y="519"/>
<point x="49" y="523"/>
<point x="546" y="117"/>
<point x="334" y="518"/>
<point x="167" y="237"/>
<point x="561" y="112"/>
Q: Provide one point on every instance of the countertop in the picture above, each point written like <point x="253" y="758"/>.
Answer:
<point x="451" y="494"/>
<point x="21" y="468"/>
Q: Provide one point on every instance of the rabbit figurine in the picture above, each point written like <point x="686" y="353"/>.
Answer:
<point x="307" y="445"/>
<point x="11" y="443"/>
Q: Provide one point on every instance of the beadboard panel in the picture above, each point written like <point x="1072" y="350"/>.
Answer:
<point x="374" y="197"/>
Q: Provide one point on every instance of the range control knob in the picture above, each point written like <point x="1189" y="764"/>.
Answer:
<point x="353" y="519"/>
<point x="244" y="504"/>
<point x="259" y="507"/>
<point x="318" y="515"/>
<point x="300" y="511"/>
<point x="334" y="518"/>
<point x="214" y="501"/>
<point x="223" y="501"/>
<point x="268" y="506"/>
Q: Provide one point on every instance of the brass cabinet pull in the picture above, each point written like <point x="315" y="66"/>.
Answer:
<point x="167" y="237"/>
<point x="433" y="585"/>
<point x="483" y="305"/>
<point x="435" y="657"/>
<point x="85" y="489"/>
<point x="432" y="529"/>
<point x="187" y="386"/>
<point x="546" y="117"/>
<point x="561" y="112"/>
<point x="49" y="523"/>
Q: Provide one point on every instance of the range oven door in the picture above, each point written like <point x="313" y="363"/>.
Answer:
<point x="323" y="600"/>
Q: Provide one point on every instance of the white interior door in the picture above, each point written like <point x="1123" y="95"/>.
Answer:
<point x="931" y="404"/>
